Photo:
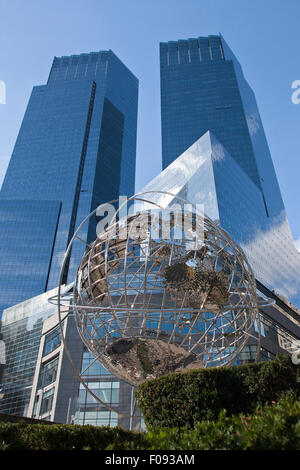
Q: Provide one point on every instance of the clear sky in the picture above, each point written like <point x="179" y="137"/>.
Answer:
<point x="264" y="35"/>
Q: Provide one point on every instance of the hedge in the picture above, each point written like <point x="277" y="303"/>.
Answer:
<point x="183" y="399"/>
<point x="22" y="436"/>
<point x="274" y="427"/>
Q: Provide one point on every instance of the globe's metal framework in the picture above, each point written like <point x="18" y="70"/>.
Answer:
<point x="146" y="305"/>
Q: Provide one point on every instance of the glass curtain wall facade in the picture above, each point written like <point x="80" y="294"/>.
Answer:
<point x="75" y="150"/>
<point x="21" y="332"/>
<point x="27" y="237"/>
<point x="52" y="390"/>
<point x="204" y="93"/>
<point x="114" y="392"/>
<point x="206" y="174"/>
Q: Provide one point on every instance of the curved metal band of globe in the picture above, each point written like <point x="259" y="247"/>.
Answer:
<point x="54" y="301"/>
<point x="65" y="302"/>
<point x="188" y="314"/>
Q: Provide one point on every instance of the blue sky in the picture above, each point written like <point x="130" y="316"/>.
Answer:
<point x="264" y="35"/>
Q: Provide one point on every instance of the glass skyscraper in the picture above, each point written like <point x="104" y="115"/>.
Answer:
<point x="75" y="150"/>
<point x="214" y="151"/>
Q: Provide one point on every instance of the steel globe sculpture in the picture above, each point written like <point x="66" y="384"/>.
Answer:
<point x="147" y="304"/>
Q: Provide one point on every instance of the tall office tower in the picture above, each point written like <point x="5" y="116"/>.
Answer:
<point x="75" y="150"/>
<point x="203" y="89"/>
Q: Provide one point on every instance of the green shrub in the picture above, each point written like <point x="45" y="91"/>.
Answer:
<point x="273" y="427"/>
<point x="184" y="399"/>
<point x="19" y="436"/>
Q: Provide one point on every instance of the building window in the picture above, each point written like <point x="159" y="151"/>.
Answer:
<point x="97" y="418"/>
<point x="248" y="354"/>
<point x="36" y="401"/>
<point x="48" y="373"/>
<point x="52" y="341"/>
<point x="143" y="425"/>
<point x="108" y="392"/>
<point x="47" y="401"/>
<point x="47" y="418"/>
<point x="91" y="368"/>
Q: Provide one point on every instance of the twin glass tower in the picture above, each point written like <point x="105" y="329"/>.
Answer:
<point x="214" y="152"/>
<point x="77" y="149"/>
